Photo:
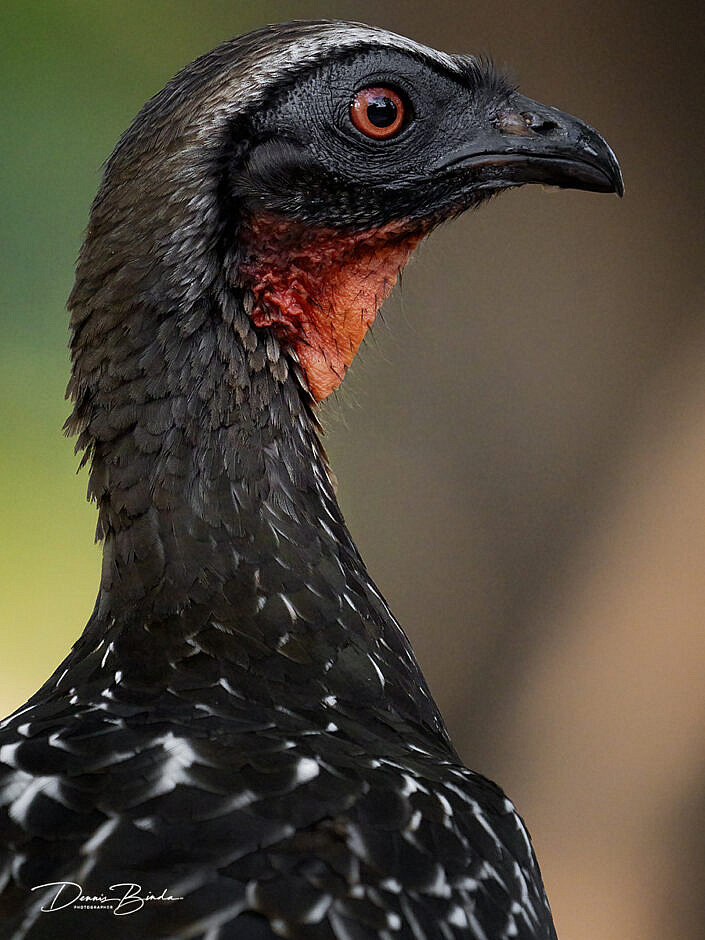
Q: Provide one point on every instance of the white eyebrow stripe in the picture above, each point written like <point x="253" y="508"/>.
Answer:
<point x="331" y="37"/>
<point x="284" y="54"/>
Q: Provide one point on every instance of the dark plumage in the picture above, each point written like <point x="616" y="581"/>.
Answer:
<point x="242" y="724"/>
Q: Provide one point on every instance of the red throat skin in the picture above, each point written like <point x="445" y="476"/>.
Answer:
<point x="319" y="289"/>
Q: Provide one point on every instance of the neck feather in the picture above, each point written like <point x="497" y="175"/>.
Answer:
<point x="225" y="553"/>
<point x="198" y="434"/>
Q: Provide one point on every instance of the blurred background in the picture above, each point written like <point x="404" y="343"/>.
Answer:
<point x="520" y="445"/>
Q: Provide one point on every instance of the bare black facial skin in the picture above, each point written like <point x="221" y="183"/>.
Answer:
<point x="465" y="135"/>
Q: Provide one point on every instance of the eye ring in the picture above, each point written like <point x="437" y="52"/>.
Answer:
<point x="378" y="112"/>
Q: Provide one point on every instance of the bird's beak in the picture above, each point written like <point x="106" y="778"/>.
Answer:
<point x="528" y="142"/>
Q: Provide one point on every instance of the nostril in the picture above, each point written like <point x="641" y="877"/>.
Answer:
<point x="511" y="122"/>
<point x="527" y="124"/>
<point x="539" y="124"/>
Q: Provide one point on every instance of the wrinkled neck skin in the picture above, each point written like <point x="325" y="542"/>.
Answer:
<point x="320" y="289"/>
<point x="225" y="552"/>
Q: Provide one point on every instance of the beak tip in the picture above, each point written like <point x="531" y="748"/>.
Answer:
<point x="616" y="170"/>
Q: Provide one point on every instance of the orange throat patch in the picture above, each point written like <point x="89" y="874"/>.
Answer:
<point x="320" y="289"/>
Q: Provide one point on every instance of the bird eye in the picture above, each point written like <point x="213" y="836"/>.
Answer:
<point x="377" y="112"/>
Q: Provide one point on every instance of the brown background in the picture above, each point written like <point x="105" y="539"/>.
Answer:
<point x="520" y="447"/>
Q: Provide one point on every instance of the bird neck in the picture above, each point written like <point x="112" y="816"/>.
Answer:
<point x="224" y="547"/>
<point x="205" y="457"/>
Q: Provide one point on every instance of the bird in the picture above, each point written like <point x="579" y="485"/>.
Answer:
<point x="241" y="744"/>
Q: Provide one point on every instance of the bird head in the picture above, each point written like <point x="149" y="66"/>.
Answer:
<point x="353" y="162"/>
<point x="298" y="167"/>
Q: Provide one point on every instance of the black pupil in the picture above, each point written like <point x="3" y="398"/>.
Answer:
<point x="381" y="111"/>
